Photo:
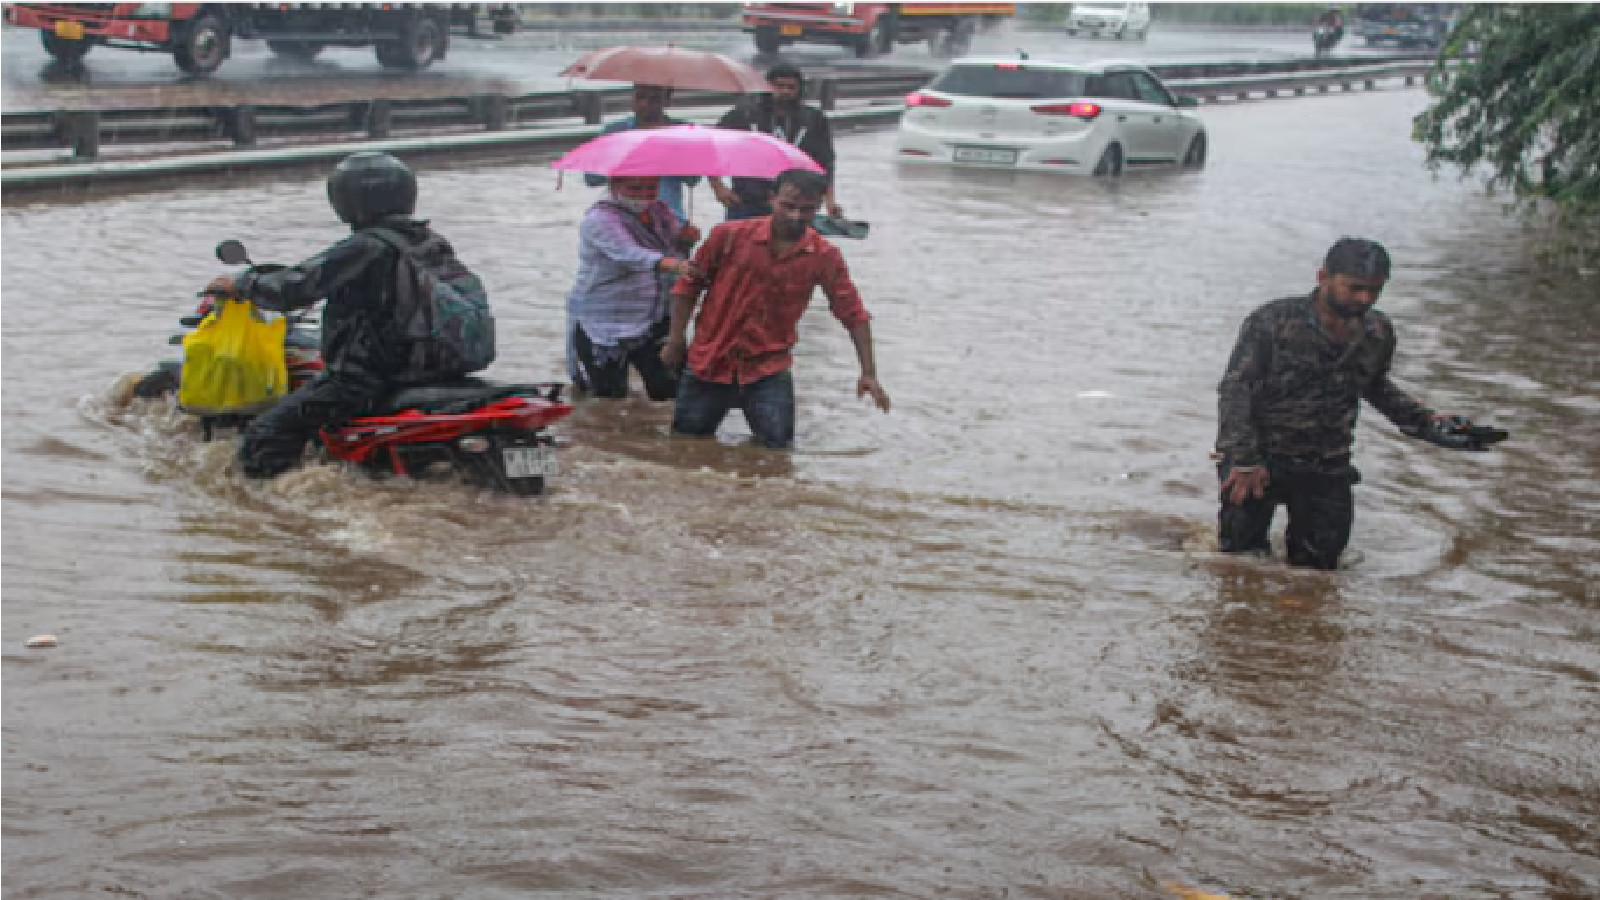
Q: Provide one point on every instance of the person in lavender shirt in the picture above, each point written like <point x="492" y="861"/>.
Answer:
<point x="631" y="249"/>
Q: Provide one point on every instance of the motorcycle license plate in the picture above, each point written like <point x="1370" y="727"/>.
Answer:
<point x="72" y="31"/>
<point x="791" y="30"/>
<point x="985" y="155"/>
<point x="530" y="462"/>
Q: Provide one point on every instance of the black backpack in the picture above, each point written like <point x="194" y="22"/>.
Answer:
<point x="441" y="310"/>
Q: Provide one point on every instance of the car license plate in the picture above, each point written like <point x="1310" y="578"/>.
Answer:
<point x="530" y="462"/>
<point x="985" y="155"/>
<point x="791" y="30"/>
<point x="72" y="31"/>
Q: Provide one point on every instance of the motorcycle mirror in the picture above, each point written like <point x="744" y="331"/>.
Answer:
<point x="232" y="252"/>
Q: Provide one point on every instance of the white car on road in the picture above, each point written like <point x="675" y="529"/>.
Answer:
<point x="1093" y="119"/>
<point x="1120" y="20"/>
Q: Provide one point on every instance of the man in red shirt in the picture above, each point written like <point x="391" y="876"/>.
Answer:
<point x="758" y="276"/>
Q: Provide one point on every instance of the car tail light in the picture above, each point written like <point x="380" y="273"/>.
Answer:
<point x="1081" y="110"/>
<point x="1008" y="66"/>
<point x="918" y="98"/>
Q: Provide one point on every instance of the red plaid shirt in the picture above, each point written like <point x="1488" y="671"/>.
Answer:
<point x="748" y="321"/>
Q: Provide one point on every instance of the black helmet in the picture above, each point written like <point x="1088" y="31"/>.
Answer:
<point x="365" y="187"/>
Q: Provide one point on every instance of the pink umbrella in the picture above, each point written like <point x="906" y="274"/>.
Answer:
<point x="686" y="150"/>
<point x="669" y="67"/>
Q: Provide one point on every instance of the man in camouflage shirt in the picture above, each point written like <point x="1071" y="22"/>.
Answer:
<point x="1288" y="404"/>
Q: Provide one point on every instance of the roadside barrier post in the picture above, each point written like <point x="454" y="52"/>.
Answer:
<point x="493" y="110"/>
<point x="828" y="94"/>
<point x="590" y="105"/>
<point x="80" y="130"/>
<point x="379" y="116"/>
<point x="239" y="124"/>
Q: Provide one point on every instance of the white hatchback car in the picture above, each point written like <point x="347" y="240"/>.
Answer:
<point x="1093" y="119"/>
<point x="1119" y="20"/>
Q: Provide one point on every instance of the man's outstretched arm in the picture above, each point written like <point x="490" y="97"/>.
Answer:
<point x="861" y="336"/>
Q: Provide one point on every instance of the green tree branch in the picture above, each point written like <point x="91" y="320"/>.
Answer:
<point x="1517" y="90"/>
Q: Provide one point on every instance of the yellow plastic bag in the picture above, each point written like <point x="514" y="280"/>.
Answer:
<point x="233" y="362"/>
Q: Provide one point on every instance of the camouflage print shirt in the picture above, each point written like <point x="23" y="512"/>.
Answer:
<point x="1292" y="392"/>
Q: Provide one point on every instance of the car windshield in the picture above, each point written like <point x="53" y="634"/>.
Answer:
<point x="1010" y="80"/>
<point x="1101" y="7"/>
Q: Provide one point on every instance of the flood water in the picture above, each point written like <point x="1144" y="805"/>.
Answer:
<point x="979" y="647"/>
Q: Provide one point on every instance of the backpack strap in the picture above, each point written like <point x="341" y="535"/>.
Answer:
<point x="422" y="253"/>
<point x="388" y="236"/>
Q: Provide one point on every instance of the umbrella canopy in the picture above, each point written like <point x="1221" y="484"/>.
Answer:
<point x="686" y="150"/>
<point x="672" y="67"/>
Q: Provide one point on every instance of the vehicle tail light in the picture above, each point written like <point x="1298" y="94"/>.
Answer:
<point x="1008" y="66"/>
<point x="918" y="98"/>
<point x="907" y="151"/>
<point x="1081" y="110"/>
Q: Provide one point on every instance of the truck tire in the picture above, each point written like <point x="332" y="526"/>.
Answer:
<point x="767" y="39"/>
<point x="421" y="42"/>
<point x="951" y="42"/>
<point x="63" y="50"/>
<point x="878" y="40"/>
<point x="303" y="50"/>
<point x="200" y="48"/>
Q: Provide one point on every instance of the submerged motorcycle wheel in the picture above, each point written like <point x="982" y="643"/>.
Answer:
<point x="163" y="380"/>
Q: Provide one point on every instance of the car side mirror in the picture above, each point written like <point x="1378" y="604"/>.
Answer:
<point x="1188" y="102"/>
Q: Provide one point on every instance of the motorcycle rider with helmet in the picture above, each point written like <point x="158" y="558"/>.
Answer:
<point x="1328" y="29"/>
<point x="363" y="359"/>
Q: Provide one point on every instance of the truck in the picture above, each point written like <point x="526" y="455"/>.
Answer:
<point x="1410" y="25"/>
<point x="871" y="29"/>
<point x="200" y="35"/>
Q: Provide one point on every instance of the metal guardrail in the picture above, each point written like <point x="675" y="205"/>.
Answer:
<point x="84" y="132"/>
<point x="554" y="136"/>
<point x="499" y="144"/>
<point x="1243" y="87"/>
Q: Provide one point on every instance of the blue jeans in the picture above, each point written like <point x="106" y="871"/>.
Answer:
<point x="768" y="407"/>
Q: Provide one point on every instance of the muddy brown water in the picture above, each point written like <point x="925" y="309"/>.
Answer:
<point x="979" y="647"/>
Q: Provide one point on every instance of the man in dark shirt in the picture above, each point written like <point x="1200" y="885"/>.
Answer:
<point x="1288" y="404"/>
<point x="363" y="349"/>
<point x="782" y="115"/>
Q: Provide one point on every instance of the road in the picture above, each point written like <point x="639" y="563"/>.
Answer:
<point x="522" y="63"/>
<point x="979" y="647"/>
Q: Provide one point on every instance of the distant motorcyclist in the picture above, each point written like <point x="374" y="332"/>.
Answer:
<point x="1328" y="29"/>
<point x="362" y="348"/>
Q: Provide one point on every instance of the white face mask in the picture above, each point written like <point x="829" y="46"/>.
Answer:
<point x="630" y="203"/>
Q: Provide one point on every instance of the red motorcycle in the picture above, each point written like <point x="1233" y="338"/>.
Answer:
<point x="488" y="433"/>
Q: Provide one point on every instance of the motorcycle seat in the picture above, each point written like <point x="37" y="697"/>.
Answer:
<point x="430" y="397"/>
<point x="458" y="395"/>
